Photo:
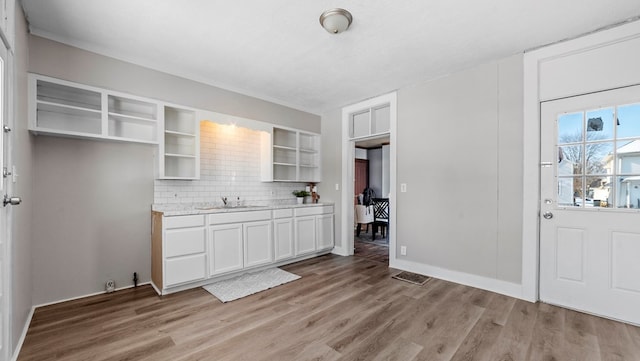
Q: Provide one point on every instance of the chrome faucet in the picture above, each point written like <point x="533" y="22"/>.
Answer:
<point x="224" y="200"/>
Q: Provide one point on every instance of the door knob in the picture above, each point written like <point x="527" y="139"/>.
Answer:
<point x="14" y="201"/>
<point x="547" y="215"/>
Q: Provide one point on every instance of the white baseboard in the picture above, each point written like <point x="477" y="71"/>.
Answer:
<point x="16" y="352"/>
<point x="88" y="295"/>
<point x="490" y="284"/>
<point x="340" y="251"/>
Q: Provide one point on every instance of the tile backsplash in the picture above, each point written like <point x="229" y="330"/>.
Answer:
<point x="229" y="167"/>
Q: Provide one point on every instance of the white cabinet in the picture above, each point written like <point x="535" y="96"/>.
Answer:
<point x="314" y="227"/>
<point x="283" y="234"/>
<point x="192" y="250"/>
<point x="178" y="250"/>
<point x="305" y="228"/>
<point x="239" y="240"/>
<point x="325" y="228"/>
<point x="258" y="244"/>
<point x="179" y="146"/>
<point x="58" y="107"/>
<point x="225" y="248"/>
<point x="290" y="155"/>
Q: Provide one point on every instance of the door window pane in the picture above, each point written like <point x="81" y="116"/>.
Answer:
<point x="360" y="124"/>
<point x="628" y="122"/>
<point x="570" y="160"/>
<point x="599" y="124"/>
<point x="597" y="157"/>
<point x="628" y="192"/>
<point x="570" y="128"/>
<point x="597" y="191"/>
<point x="628" y="158"/>
<point x="566" y="192"/>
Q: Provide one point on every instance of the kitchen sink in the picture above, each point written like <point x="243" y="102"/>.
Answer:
<point x="207" y="208"/>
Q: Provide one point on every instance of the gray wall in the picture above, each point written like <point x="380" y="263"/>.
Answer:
<point x="331" y="145"/>
<point x="375" y="170"/>
<point x="463" y="208"/>
<point x="91" y="219"/>
<point x="462" y="211"/>
<point x="54" y="59"/>
<point x="92" y="215"/>
<point x="21" y="249"/>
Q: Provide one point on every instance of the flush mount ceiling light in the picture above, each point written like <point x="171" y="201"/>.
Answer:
<point x="336" y="20"/>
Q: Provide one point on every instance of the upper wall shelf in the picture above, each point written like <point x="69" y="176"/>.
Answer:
<point x="290" y="155"/>
<point x="63" y="108"/>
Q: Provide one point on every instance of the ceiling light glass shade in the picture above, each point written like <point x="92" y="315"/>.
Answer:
<point x="336" y="20"/>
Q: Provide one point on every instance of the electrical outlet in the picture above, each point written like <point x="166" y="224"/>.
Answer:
<point x="403" y="250"/>
<point x="337" y="186"/>
<point x="110" y="286"/>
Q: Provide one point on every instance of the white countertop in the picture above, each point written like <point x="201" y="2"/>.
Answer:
<point x="181" y="209"/>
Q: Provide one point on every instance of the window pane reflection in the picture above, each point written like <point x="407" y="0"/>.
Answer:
<point x="599" y="124"/>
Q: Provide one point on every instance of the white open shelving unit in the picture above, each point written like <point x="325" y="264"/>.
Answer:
<point x="290" y="155"/>
<point x="180" y="147"/>
<point x="63" y="108"/>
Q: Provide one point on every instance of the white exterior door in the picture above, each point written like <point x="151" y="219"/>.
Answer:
<point x="590" y="203"/>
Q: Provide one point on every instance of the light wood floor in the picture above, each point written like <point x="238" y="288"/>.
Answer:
<point x="343" y="308"/>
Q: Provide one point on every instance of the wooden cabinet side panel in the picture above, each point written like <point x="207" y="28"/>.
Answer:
<point x="156" y="249"/>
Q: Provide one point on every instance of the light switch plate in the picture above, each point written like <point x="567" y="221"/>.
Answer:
<point x="403" y="187"/>
<point x="337" y="186"/>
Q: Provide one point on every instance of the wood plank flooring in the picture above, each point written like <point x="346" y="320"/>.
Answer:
<point x="343" y="308"/>
<point x="370" y="250"/>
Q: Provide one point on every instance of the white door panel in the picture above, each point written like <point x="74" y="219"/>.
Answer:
<point x="590" y="237"/>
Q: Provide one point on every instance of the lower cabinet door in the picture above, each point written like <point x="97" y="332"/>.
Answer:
<point x="305" y="230"/>
<point x="258" y="244"/>
<point x="325" y="225"/>
<point x="225" y="248"/>
<point x="184" y="269"/>
<point x="283" y="238"/>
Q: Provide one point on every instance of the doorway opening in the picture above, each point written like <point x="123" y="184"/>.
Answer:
<point x="369" y="124"/>
<point x="371" y="200"/>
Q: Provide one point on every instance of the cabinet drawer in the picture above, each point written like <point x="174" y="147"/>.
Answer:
<point x="312" y="211"/>
<point x="283" y="213"/>
<point x="239" y="217"/>
<point x="184" y="269"/>
<point x="184" y="221"/>
<point x="180" y="242"/>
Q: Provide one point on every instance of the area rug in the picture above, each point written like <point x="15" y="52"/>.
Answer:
<point x="249" y="283"/>
<point x="411" y="278"/>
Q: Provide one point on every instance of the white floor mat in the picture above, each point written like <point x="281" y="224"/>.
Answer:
<point x="249" y="283"/>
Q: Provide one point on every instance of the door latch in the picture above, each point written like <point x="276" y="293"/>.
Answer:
<point x="14" y="201"/>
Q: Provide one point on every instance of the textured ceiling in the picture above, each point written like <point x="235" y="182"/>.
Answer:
<point x="276" y="50"/>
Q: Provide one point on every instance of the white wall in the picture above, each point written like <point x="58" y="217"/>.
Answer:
<point x="101" y="229"/>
